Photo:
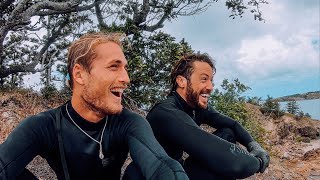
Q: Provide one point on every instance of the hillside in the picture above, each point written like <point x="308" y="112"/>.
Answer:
<point x="294" y="145"/>
<point x="298" y="97"/>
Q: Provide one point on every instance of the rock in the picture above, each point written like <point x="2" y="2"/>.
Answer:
<point x="312" y="154"/>
<point x="285" y="155"/>
<point x="307" y="131"/>
<point x="314" y="172"/>
<point x="5" y="115"/>
<point x="314" y="175"/>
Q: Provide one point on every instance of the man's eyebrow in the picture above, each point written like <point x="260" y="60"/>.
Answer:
<point x="118" y="61"/>
<point x="115" y="61"/>
<point x="204" y="74"/>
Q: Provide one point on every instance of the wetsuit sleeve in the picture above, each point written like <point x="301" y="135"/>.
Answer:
<point x="147" y="153"/>
<point x="218" y="155"/>
<point x="21" y="146"/>
<point x="217" y="120"/>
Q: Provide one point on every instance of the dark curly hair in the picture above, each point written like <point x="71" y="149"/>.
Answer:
<point x="184" y="66"/>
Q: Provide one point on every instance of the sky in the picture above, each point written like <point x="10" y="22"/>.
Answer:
<point x="278" y="57"/>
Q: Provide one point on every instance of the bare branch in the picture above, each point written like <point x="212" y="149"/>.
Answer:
<point x="13" y="69"/>
<point x="50" y="40"/>
<point x="101" y="22"/>
<point x="167" y="11"/>
<point x="65" y="11"/>
<point x="140" y="17"/>
<point x="56" y="6"/>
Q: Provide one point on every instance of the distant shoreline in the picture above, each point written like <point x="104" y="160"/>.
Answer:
<point x="292" y="99"/>
<point x="299" y="97"/>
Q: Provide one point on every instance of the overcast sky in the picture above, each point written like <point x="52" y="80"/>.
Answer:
<point x="278" y="57"/>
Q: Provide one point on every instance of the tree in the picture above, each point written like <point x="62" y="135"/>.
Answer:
<point x="150" y="61"/>
<point x="34" y="34"/>
<point x="254" y="100"/>
<point x="229" y="101"/>
<point x="292" y="107"/>
<point x="271" y="107"/>
<point x="21" y="46"/>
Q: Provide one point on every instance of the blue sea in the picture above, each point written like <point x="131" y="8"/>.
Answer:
<point x="307" y="106"/>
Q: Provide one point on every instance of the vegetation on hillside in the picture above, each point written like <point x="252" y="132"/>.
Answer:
<point x="230" y="102"/>
<point x="271" y="108"/>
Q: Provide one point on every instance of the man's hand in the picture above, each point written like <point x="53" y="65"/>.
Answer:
<point x="257" y="151"/>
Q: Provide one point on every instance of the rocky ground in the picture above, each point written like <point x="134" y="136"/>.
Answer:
<point x="294" y="145"/>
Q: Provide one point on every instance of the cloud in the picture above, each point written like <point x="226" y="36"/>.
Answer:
<point x="269" y="57"/>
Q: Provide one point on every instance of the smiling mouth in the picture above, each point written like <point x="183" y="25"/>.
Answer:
<point x="205" y="95"/>
<point x="117" y="91"/>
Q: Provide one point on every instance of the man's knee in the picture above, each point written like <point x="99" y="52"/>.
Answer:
<point x="226" y="134"/>
<point x="195" y="171"/>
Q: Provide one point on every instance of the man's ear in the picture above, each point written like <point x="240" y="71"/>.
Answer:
<point x="79" y="74"/>
<point x="181" y="81"/>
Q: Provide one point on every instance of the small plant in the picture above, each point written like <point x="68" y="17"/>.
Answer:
<point x="299" y="115"/>
<point x="307" y="115"/>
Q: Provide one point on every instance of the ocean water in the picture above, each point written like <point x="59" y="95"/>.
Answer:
<point x="307" y="106"/>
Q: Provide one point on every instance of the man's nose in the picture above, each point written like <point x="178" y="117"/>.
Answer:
<point x="210" y="86"/>
<point x="124" y="77"/>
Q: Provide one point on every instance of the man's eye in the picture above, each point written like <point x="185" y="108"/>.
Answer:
<point x="114" y="67"/>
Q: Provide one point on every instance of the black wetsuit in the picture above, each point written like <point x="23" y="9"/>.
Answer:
<point x="37" y="135"/>
<point x="176" y="127"/>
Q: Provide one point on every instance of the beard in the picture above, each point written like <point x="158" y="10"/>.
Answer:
<point x="96" y="101"/>
<point x="193" y="97"/>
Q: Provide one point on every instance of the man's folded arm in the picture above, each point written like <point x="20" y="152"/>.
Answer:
<point x="147" y="153"/>
<point x="215" y="153"/>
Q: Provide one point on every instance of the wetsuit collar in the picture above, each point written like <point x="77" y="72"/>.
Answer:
<point x="183" y="104"/>
<point x="83" y="123"/>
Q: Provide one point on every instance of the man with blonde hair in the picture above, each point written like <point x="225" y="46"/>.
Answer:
<point x="90" y="136"/>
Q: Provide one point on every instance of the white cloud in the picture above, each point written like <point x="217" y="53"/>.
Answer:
<point x="268" y="56"/>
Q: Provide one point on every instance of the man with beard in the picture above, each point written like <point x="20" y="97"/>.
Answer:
<point x="176" y="120"/>
<point x="90" y="136"/>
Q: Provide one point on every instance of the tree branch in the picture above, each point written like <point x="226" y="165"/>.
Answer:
<point x="13" y="69"/>
<point x="167" y="11"/>
<point x="140" y="17"/>
<point x="99" y="16"/>
<point x="54" y="35"/>
<point x="56" y="6"/>
<point x="65" y="11"/>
